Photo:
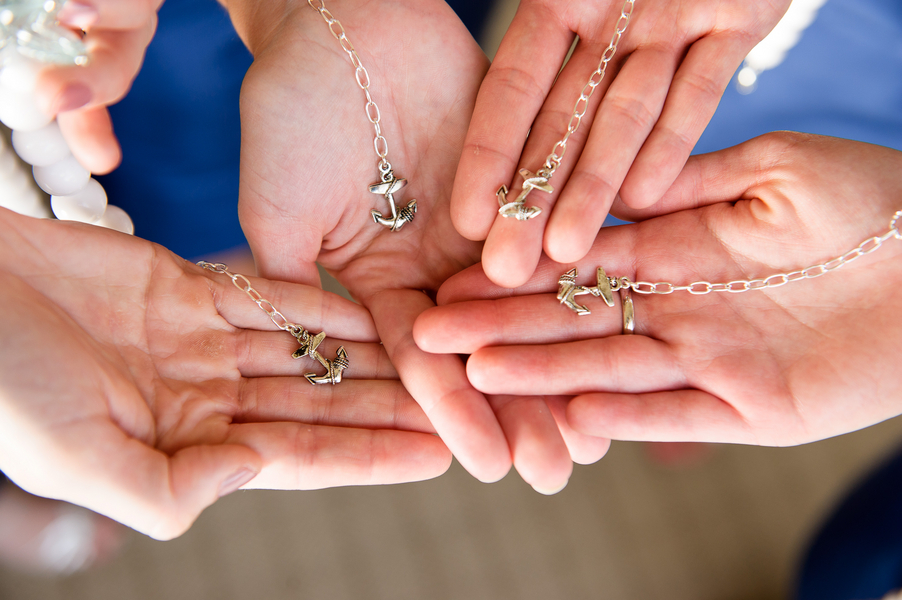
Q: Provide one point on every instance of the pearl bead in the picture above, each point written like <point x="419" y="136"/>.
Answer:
<point x="19" y="111"/>
<point x="20" y="73"/>
<point x="118" y="219"/>
<point x="20" y="196"/>
<point x="41" y="147"/>
<point x="87" y="205"/>
<point x="62" y="178"/>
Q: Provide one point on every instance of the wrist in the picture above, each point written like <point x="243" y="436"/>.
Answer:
<point x="256" y="21"/>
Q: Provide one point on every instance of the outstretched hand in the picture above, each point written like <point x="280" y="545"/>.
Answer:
<point x="144" y="387"/>
<point x="308" y="160"/>
<point x="659" y="92"/>
<point x="781" y="365"/>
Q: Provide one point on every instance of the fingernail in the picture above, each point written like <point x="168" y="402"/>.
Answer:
<point x="234" y="481"/>
<point x="77" y="14"/>
<point x="550" y="492"/>
<point x="74" y="95"/>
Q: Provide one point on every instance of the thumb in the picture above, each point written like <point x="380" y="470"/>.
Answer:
<point x="722" y="176"/>
<point x="198" y="476"/>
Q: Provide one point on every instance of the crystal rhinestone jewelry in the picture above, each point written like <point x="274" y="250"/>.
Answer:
<point x="629" y="313"/>
<point x="388" y="184"/>
<point x="517" y="209"/>
<point x="309" y="341"/>
<point x="567" y="287"/>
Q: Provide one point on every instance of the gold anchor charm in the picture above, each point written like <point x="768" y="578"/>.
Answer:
<point x="567" y="290"/>
<point x="518" y="209"/>
<point x="387" y="187"/>
<point x="309" y="344"/>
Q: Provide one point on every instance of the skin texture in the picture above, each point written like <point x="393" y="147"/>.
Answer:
<point x="659" y="93"/>
<point x="307" y="160"/>
<point x="788" y="365"/>
<point x="143" y="387"/>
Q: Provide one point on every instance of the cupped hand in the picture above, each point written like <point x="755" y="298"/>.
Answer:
<point x="144" y="387"/>
<point x="117" y="35"/>
<point x="660" y="90"/>
<point x="308" y="159"/>
<point x="781" y="365"/>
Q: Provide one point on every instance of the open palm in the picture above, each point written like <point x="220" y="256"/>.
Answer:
<point x="139" y="385"/>
<point x="307" y="162"/>
<point x="793" y="363"/>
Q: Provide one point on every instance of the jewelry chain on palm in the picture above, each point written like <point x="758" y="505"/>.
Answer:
<point x="309" y="341"/>
<point x="388" y="184"/>
<point x="517" y="209"/>
<point x="568" y="289"/>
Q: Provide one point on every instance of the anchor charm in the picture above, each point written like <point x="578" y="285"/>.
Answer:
<point x="387" y="187"/>
<point x="309" y="344"/>
<point x="567" y="290"/>
<point x="518" y="209"/>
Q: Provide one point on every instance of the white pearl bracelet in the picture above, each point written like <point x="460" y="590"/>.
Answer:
<point x="36" y="138"/>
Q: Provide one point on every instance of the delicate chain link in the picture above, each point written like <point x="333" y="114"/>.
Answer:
<point x="704" y="287"/>
<point x="380" y="144"/>
<point x="582" y="104"/>
<point x="242" y="283"/>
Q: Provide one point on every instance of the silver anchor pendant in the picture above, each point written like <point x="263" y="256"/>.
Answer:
<point x="518" y="209"/>
<point x="567" y="290"/>
<point x="309" y="344"/>
<point x="387" y="187"/>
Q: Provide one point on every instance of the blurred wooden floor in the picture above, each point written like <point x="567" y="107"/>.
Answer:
<point x="625" y="528"/>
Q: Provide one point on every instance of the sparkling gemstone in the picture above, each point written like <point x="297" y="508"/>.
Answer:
<point x="62" y="178"/>
<point x="41" y="147"/>
<point x="86" y="206"/>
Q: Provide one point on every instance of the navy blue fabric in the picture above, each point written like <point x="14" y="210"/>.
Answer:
<point x="842" y="79"/>
<point x="180" y="133"/>
<point x="857" y="555"/>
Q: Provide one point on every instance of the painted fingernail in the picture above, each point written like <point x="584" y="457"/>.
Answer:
<point x="78" y="14"/>
<point x="234" y="481"/>
<point x="550" y="491"/>
<point x="74" y="95"/>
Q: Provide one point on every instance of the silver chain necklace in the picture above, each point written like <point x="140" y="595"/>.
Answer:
<point x="388" y="184"/>
<point x="309" y="341"/>
<point x="517" y="209"/>
<point x="567" y="287"/>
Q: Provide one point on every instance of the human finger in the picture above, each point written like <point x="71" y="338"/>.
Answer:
<point x="633" y="363"/>
<point x="693" y="97"/>
<point x="108" y="14"/>
<point x="116" y="57"/>
<point x="627" y="115"/>
<point x="538" y="451"/>
<point x="297" y="456"/>
<point x="269" y="354"/>
<point x="583" y="449"/>
<point x="521" y="75"/>
<point x="310" y="307"/>
<point x="89" y="133"/>
<point x="460" y="414"/>
<point x="685" y="415"/>
<point x="353" y="403"/>
<point x="465" y="327"/>
<point x="513" y="247"/>
<point x="158" y="495"/>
